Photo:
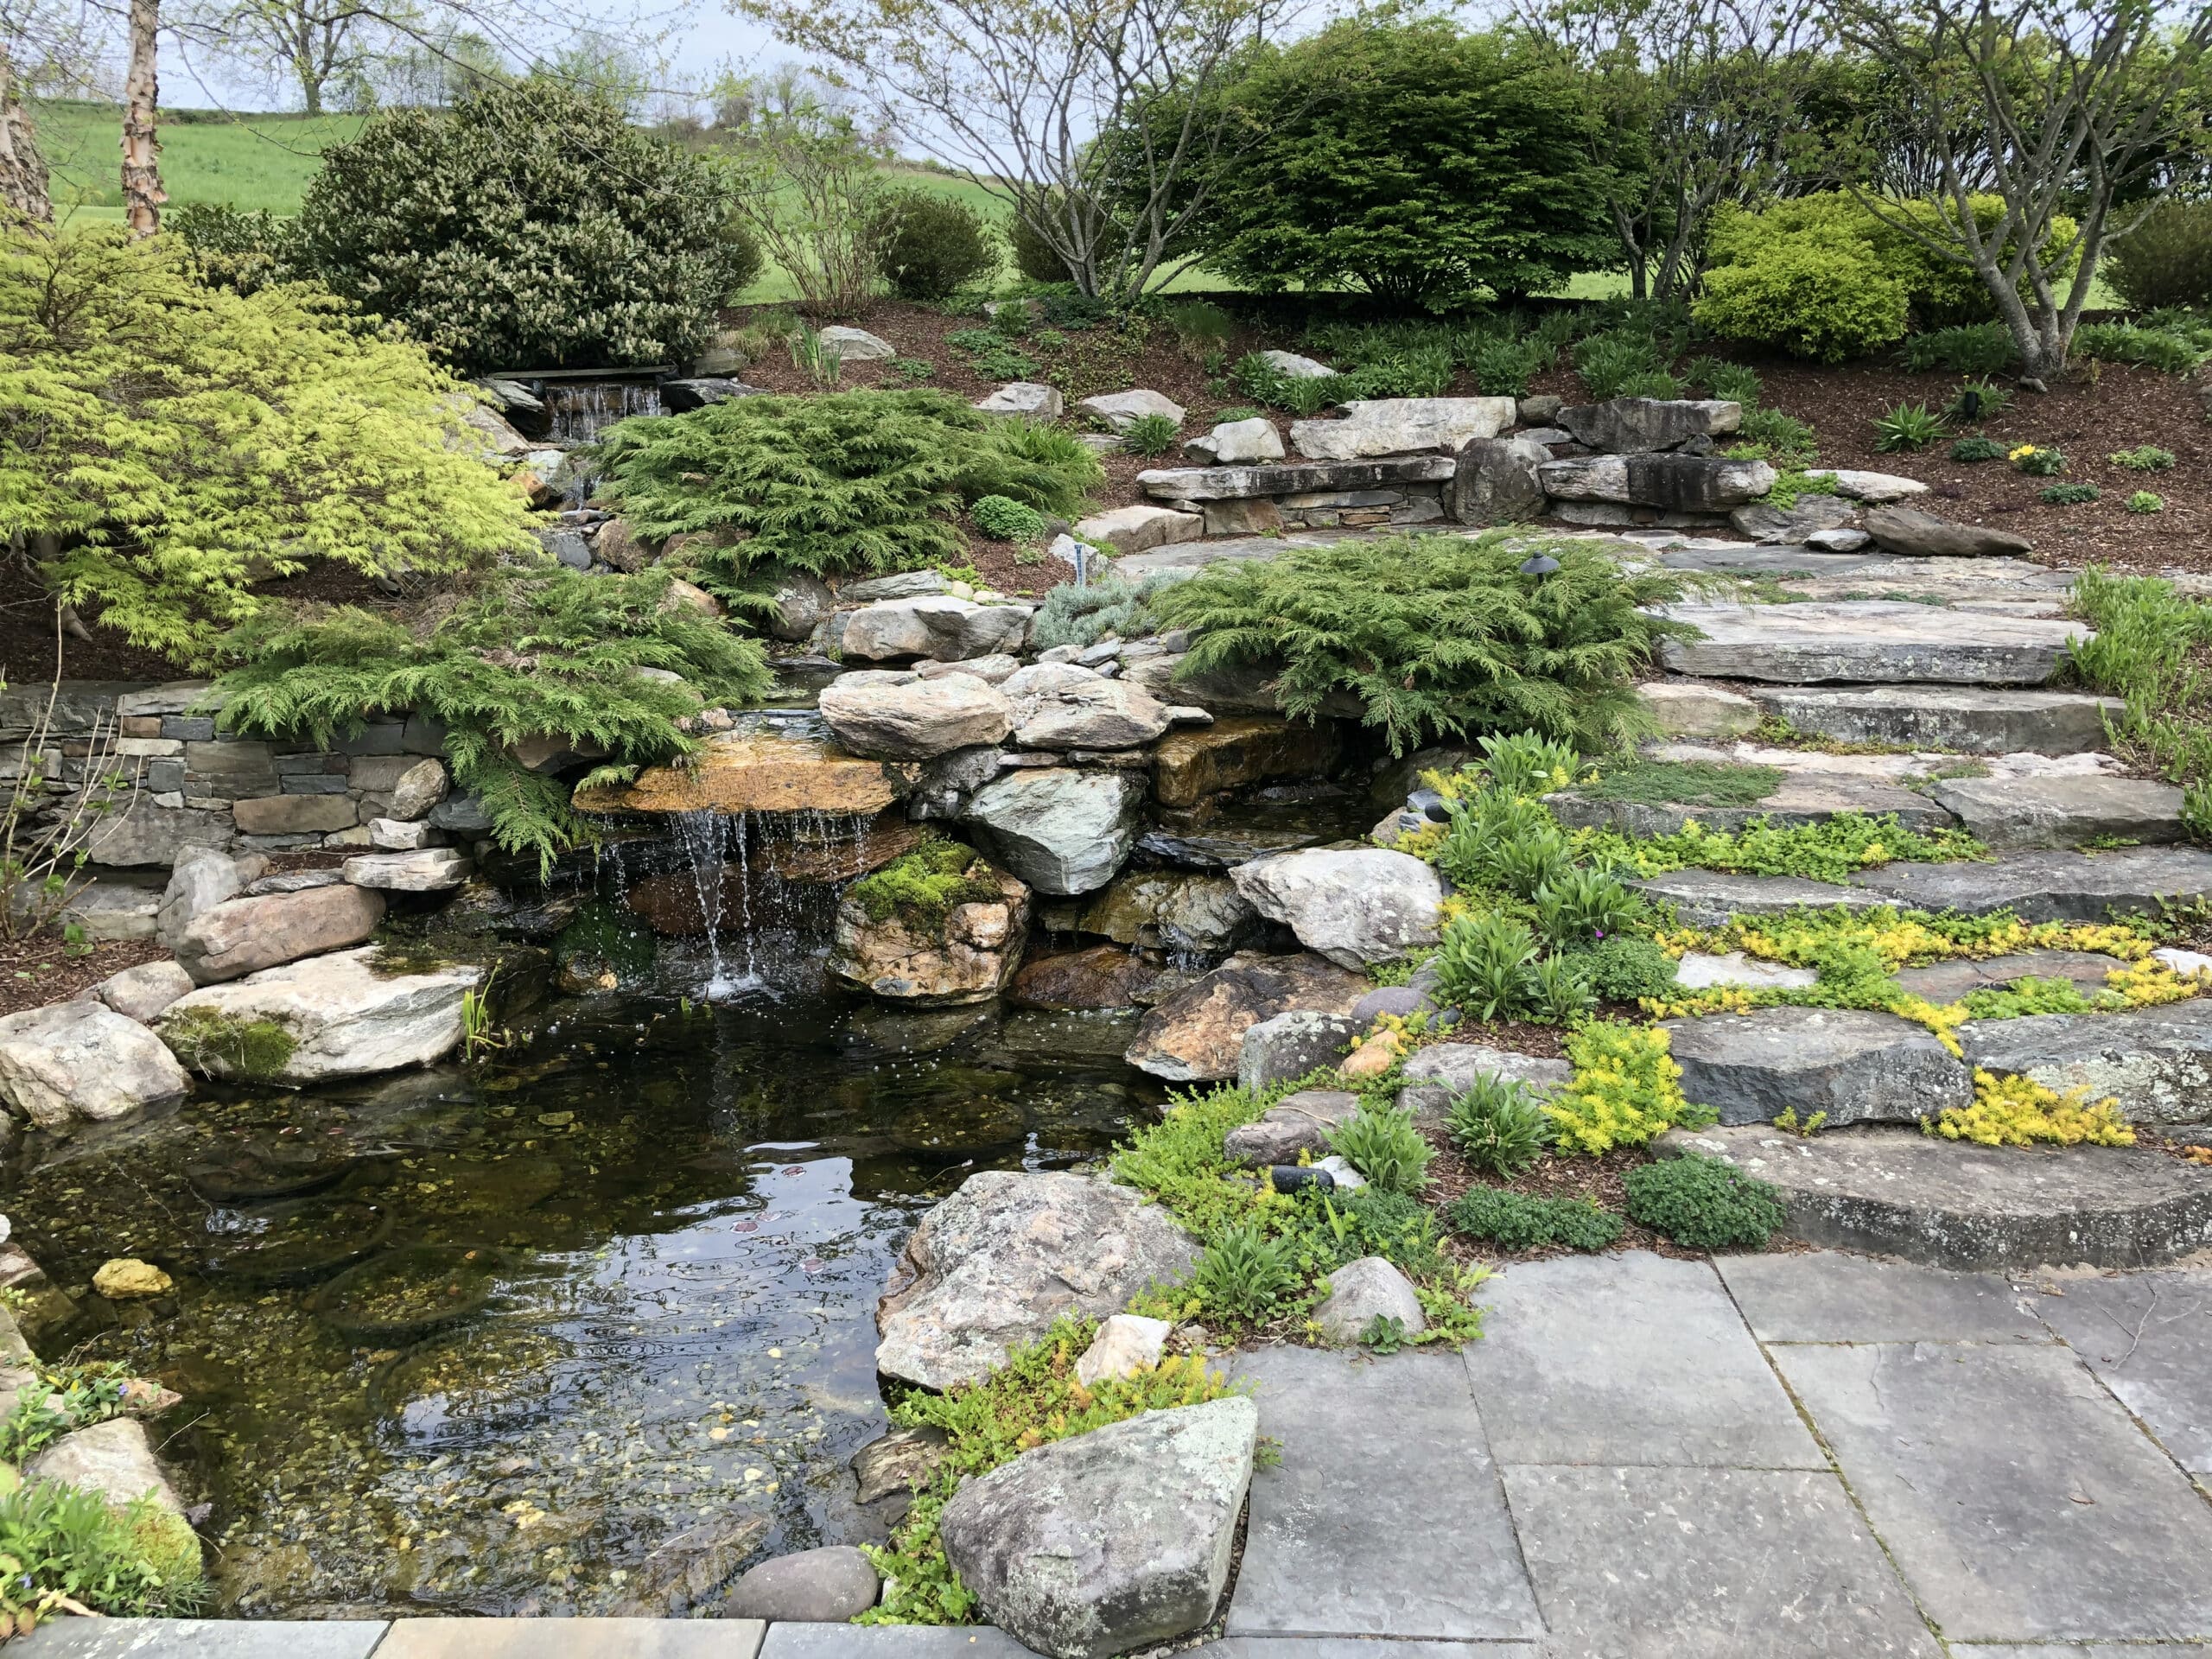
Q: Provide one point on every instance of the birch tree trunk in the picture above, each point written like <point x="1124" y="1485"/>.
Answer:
<point x="22" y="170"/>
<point x="143" y="195"/>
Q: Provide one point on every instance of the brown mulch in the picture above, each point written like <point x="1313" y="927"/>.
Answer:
<point x="1514" y="1036"/>
<point x="35" y="972"/>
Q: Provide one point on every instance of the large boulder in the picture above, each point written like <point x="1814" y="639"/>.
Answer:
<point x="967" y="955"/>
<point x="334" y="1016"/>
<point x="1856" y="1066"/>
<point x="1140" y="527"/>
<point x="1064" y="706"/>
<point x="1399" y="426"/>
<point x="1918" y="535"/>
<point x="1497" y="482"/>
<point x="989" y="1270"/>
<point x="801" y="602"/>
<point x="1629" y="426"/>
<point x="72" y="1062"/>
<point x="201" y="877"/>
<point x="855" y="345"/>
<point x="1099" y="977"/>
<point x="1122" y="409"/>
<point x="1183" y="914"/>
<point x="934" y="625"/>
<point x="1788" y="527"/>
<point x="1673" y="483"/>
<point x="1297" y="1124"/>
<point x="1291" y="1045"/>
<point x="1356" y="908"/>
<point x="1362" y="1292"/>
<point x="1110" y="1541"/>
<point x="1060" y="829"/>
<point x="900" y="717"/>
<point x="1234" y="442"/>
<point x="141" y="992"/>
<point x="114" y="1458"/>
<point x="1029" y="398"/>
<point x="243" y="936"/>
<point x="1197" y="1034"/>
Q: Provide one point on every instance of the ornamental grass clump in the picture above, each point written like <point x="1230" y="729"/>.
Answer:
<point x="1437" y="636"/>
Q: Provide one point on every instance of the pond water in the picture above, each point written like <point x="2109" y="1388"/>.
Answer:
<point x="683" y="1213"/>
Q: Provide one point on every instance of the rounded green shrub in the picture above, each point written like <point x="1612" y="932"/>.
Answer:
<point x="933" y="244"/>
<point x="2145" y="502"/>
<point x="1623" y="968"/>
<point x="1033" y="256"/>
<point x="1513" y="1221"/>
<point x="530" y="226"/>
<point x="1978" y="448"/>
<point x="1704" y="1203"/>
<point x="1829" y="300"/>
<point x="2166" y="260"/>
<point x="1007" y="520"/>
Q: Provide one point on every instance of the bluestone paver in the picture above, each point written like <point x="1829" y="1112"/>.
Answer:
<point x="2018" y="1501"/>
<point x="1353" y="1647"/>
<point x="200" y="1638"/>
<point x="1718" y="1563"/>
<point x="1385" y="1517"/>
<point x="2075" y="1651"/>
<point x="1628" y="1359"/>
<point x="798" y="1641"/>
<point x="2148" y="1336"/>
<point x="1826" y="1296"/>
<point x="572" y="1639"/>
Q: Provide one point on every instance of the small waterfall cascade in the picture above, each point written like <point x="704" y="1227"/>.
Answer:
<point x="578" y="411"/>
<point x="716" y="844"/>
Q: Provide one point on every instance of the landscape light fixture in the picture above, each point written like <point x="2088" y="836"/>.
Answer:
<point x="1541" y="564"/>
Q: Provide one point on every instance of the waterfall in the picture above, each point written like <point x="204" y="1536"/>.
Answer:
<point x="579" y="411"/>
<point x="714" y="841"/>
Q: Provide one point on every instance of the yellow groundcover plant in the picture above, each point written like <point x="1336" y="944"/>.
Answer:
<point x="2019" y="1111"/>
<point x="1626" y="1089"/>
<point x="164" y="444"/>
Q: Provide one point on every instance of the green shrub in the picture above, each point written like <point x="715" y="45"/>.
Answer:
<point x="1704" y="1203"/>
<point x="1497" y="841"/>
<point x="851" y="481"/>
<point x="2144" y="458"/>
<point x="2123" y="342"/>
<point x="1242" y="1273"/>
<point x="1498" y="1126"/>
<point x="1981" y="348"/>
<point x="231" y="248"/>
<point x="1907" y="426"/>
<point x="1484" y="965"/>
<point x="1624" y="968"/>
<point x="1718" y="377"/>
<point x="1033" y="256"/>
<point x="1578" y="907"/>
<point x="1607" y="362"/>
<point x="1150" y="434"/>
<point x="1503" y="368"/>
<point x="1407" y="371"/>
<point x="1513" y="1222"/>
<point x="1005" y="520"/>
<point x="530" y="654"/>
<point x="2068" y="495"/>
<point x="1811" y="298"/>
<point x="1558" y="989"/>
<point x="1652" y="383"/>
<point x="531" y="227"/>
<point x="182" y="443"/>
<point x="1770" y="434"/>
<point x="1203" y="331"/>
<point x="1084" y="616"/>
<point x="1381" y="1142"/>
<point x="932" y="244"/>
<point x="2146" y="502"/>
<point x="1977" y="401"/>
<point x="2166" y="260"/>
<point x="1436" y="634"/>
<point x="1304" y="395"/>
<point x="1420" y="162"/>
<point x="1978" y="448"/>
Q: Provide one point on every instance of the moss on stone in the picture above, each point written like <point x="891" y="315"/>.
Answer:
<point x="922" y="887"/>
<point x="256" y="1050"/>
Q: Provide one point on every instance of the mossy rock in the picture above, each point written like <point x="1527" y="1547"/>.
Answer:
<point x="251" y="1051"/>
<point x="921" y="889"/>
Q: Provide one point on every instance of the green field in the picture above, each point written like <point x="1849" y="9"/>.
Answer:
<point x="248" y="160"/>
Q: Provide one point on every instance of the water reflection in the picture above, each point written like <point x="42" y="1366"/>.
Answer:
<point x="693" y="1210"/>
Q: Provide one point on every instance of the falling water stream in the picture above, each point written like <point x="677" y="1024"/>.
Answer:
<point x="578" y="411"/>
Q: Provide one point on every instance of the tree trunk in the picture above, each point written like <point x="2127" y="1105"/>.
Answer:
<point x="143" y="195"/>
<point x="22" y="170"/>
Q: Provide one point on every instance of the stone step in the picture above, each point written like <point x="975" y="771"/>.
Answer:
<point x="1950" y="1204"/>
<point x="1969" y="720"/>
<point x="1798" y="800"/>
<point x="1854" y="1065"/>
<point x="2015" y="812"/>
<point x="2038" y="886"/>
<point x="2156" y="1062"/>
<point x="1866" y="641"/>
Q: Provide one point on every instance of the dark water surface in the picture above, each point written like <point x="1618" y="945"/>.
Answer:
<point x="685" y="1214"/>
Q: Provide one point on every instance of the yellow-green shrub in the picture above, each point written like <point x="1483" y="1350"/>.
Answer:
<point x="1626" y="1089"/>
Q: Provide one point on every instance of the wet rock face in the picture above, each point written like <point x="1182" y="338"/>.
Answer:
<point x="1168" y="909"/>
<point x="1100" y="977"/>
<point x="755" y="772"/>
<point x="1189" y="766"/>
<point x="81" y="1062"/>
<point x="993" y="1265"/>
<point x="1112" y="1540"/>
<point x="1197" y="1034"/>
<point x="967" y="955"/>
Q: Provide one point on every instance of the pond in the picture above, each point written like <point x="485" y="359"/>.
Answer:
<point x="666" y="1223"/>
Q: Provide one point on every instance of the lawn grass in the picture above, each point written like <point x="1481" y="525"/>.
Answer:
<point x="249" y="160"/>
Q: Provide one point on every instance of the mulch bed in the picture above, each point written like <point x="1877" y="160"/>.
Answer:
<point x="35" y="972"/>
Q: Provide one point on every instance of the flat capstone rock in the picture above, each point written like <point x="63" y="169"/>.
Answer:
<point x="1951" y="1204"/>
<point x="1797" y="799"/>
<point x="2049" y="886"/>
<point x="1868" y="640"/>
<point x="2011" y="813"/>
<point x="1855" y="1065"/>
<point x="1969" y="720"/>
<point x="2156" y="1062"/>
